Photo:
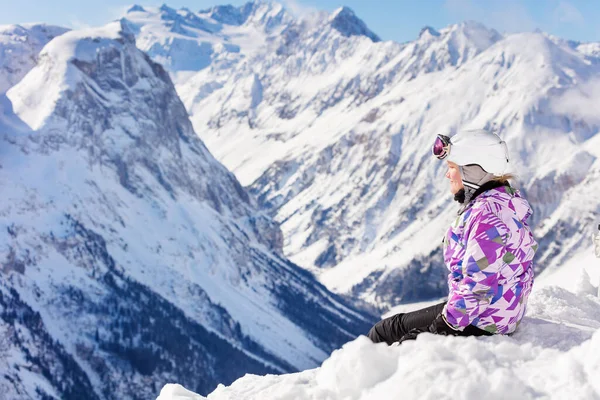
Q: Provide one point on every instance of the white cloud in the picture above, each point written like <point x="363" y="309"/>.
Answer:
<point x="581" y="101"/>
<point x="75" y="23"/>
<point x="117" y="12"/>
<point x="298" y="9"/>
<point x="567" y="13"/>
<point x="512" y="16"/>
<point x="506" y="16"/>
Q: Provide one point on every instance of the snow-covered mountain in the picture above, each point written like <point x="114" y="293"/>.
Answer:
<point x="332" y="134"/>
<point x="130" y="257"/>
<point x="19" y="48"/>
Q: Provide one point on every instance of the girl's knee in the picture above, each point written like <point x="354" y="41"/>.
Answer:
<point x="374" y="335"/>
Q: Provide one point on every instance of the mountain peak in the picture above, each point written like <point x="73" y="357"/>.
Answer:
<point x="428" y="31"/>
<point x="165" y="9"/>
<point x="136" y="8"/>
<point x="83" y="44"/>
<point x="345" y="21"/>
<point x="474" y="31"/>
<point x="20" y="46"/>
<point x="228" y="14"/>
<point x="462" y="40"/>
<point x="261" y="13"/>
<point x="62" y="65"/>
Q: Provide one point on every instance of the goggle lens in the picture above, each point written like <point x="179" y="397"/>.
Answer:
<point x="441" y="146"/>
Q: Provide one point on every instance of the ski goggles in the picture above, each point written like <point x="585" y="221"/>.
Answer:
<point x="441" y="147"/>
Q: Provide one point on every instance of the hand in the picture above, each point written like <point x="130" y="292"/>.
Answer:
<point x="439" y="326"/>
<point x="412" y="334"/>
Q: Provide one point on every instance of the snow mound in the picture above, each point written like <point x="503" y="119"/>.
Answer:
<point x="554" y="354"/>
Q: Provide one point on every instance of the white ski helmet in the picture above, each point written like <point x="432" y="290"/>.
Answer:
<point x="480" y="147"/>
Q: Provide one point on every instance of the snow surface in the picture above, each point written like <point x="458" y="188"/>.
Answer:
<point x="555" y="354"/>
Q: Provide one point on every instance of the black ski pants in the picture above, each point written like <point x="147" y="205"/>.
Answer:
<point x="392" y="329"/>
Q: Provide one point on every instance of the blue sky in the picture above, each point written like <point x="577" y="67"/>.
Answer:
<point x="399" y="20"/>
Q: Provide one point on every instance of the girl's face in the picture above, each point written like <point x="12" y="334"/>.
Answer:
<point x="455" y="179"/>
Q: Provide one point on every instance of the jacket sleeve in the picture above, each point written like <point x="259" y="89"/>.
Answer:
<point x="485" y="249"/>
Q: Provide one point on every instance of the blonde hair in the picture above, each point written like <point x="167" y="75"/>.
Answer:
<point x="504" y="179"/>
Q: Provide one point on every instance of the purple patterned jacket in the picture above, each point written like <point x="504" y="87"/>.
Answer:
<point x="489" y="251"/>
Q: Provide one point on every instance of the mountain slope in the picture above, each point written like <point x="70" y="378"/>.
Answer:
<point x="141" y="259"/>
<point x="332" y="132"/>
<point x="19" y="47"/>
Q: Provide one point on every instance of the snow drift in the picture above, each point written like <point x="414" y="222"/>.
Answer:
<point x="554" y="354"/>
